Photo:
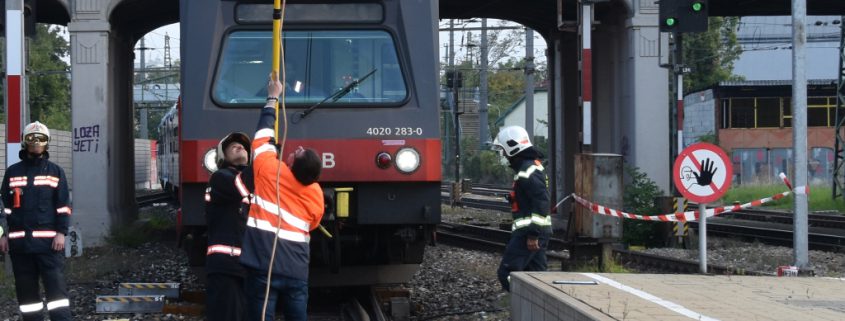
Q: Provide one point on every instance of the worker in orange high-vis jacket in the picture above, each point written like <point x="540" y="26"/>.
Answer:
<point x="36" y="199"/>
<point x="283" y="210"/>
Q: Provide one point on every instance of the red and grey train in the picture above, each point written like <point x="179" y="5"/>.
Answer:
<point x="379" y="139"/>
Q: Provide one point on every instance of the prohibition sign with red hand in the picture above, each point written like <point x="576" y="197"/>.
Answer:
<point x="702" y="173"/>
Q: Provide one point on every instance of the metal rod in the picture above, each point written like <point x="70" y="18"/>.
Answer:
<point x="483" y="135"/>
<point x="838" y="174"/>
<point x="799" y="129"/>
<point x="702" y="238"/>
<point x="143" y="130"/>
<point x="277" y="59"/>
<point x="673" y="87"/>
<point x="529" y="83"/>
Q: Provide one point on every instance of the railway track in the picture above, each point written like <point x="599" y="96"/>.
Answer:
<point x="836" y="221"/>
<point x="494" y="240"/>
<point x="771" y="234"/>
<point x="771" y="227"/>
<point x="150" y="199"/>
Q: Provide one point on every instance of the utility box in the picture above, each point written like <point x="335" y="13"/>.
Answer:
<point x="599" y="180"/>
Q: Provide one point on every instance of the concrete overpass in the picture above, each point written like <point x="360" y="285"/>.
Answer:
<point x="630" y="114"/>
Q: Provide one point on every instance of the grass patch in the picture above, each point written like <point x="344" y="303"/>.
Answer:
<point x="820" y="197"/>
<point x="593" y="267"/>
<point x="153" y="224"/>
<point x="160" y="223"/>
<point x="128" y="236"/>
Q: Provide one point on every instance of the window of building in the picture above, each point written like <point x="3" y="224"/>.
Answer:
<point x="768" y="112"/>
<point x="771" y="112"/>
<point x="820" y="165"/>
<point x="742" y="112"/>
<point x="818" y="111"/>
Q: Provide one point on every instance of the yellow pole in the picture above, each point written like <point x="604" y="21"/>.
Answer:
<point x="277" y="38"/>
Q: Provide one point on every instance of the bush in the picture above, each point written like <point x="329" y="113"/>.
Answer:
<point x="640" y="192"/>
<point x="483" y="165"/>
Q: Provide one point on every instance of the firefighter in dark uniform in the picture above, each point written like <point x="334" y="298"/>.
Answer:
<point x="529" y="199"/>
<point x="227" y="200"/>
<point x="36" y="196"/>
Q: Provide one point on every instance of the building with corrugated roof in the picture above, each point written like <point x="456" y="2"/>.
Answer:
<point x="752" y="121"/>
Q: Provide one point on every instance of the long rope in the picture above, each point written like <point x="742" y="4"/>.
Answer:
<point x="278" y="60"/>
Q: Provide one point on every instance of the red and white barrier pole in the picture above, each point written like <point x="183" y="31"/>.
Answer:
<point x="587" y="71"/>
<point x="680" y="113"/>
<point x="15" y="80"/>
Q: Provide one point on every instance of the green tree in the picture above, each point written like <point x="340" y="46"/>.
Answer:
<point x="712" y="54"/>
<point x="638" y="198"/>
<point x="49" y="81"/>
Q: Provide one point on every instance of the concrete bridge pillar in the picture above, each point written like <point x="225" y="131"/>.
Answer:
<point x="103" y="189"/>
<point x="632" y="90"/>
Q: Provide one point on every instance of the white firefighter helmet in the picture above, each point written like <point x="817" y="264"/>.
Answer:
<point x="235" y="137"/>
<point x="512" y="140"/>
<point x="35" y="133"/>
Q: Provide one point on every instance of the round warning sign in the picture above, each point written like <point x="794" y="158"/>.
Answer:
<point x="702" y="173"/>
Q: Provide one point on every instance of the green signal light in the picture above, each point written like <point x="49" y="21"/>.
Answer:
<point x="697" y="6"/>
<point x="670" y="21"/>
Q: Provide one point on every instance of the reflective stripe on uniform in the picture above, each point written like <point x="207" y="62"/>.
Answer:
<point x="264" y="133"/>
<point x="240" y="185"/>
<point x="63" y="210"/>
<point x="264" y="148"/>
<point x="223" y="249"/>
<point x="52" y="305"/>
<point x="30" y="308"/>
<point x="43" y="234"/>
<point x="520" y="223"/>
<point x="16" y="234"/>
<point x="51" y="181"/>
<point x="542" y="220"/>
<point x="282" y="233"/>
<point x="527" y="172"/>
<point x="289" y="218"/>
<point x="18" y="181"/>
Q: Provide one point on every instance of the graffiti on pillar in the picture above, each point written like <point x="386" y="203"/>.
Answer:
<point x="86" y="139"/>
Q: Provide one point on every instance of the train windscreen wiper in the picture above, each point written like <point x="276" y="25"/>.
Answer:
<point x="340" y="93"/>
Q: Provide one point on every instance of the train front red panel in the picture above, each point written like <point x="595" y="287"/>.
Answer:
<point x="344" y="160"/>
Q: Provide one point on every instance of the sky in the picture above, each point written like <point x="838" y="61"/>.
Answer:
<point x="155" y="41"/>
<point x="773" y="61"/>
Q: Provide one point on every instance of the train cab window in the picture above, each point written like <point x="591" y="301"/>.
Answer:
<point x="318" y="64"/>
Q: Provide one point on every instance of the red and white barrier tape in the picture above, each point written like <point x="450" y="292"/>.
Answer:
<point x="688" y="215"/>
<point x="798" y="190"/>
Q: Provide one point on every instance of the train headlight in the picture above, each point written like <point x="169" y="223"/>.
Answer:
<point x="407" y="160"/>
<point x="209" y="160"/>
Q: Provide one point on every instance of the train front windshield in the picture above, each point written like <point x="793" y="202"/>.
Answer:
<point x="318" y="64"/>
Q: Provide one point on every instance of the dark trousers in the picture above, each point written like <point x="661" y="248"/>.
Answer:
<point x="225" y="300"/>
<point x="49" y="268"/>
<point x="292" y="292"/>
<point x="517" y="257"/>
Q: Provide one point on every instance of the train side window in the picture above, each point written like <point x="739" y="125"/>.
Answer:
<point x="318" y="63"/>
